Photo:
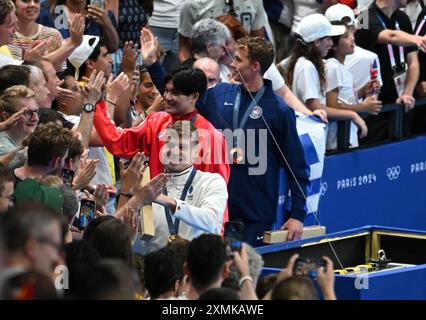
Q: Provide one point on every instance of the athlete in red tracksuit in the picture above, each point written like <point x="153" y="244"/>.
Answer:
<point x="147" y="137"/>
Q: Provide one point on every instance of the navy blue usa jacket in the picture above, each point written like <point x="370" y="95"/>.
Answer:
<point x="255" y="197"/>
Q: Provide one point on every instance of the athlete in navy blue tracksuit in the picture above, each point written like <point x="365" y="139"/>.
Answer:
<point x="254" y="198"/>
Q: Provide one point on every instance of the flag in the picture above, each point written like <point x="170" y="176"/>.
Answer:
<point x="312" y="135"/>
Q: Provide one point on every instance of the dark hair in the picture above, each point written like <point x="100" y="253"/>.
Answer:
<point x="264" y="284"/>
<point x="47" y="142"/>
<point x="80" y="257"/>
<point x="76" y="148"/>
<point x="5" y="176"/>
<point x="164" y="267"/>
<point x="93" y="56"/>
<point x="26" y="221"/>
<point x="220" y="294"/>
<point x="258" y="49"/>
<point x="187" y="80"/>
<point x="311" y="53"/>
<point x="112" y="240"/>
<point x="206" y="259"/>
<point x="332" y="52"/>
<point x="108" y="280"/>
<point x="295" y="288"/>
<point x="88" y="232"/>
<point x="29" y="285"/>
<point x="139" y="266"/>
<point x="47" y="115"/>
<point x="6" y="7"/>
<point x="11" y="75"/>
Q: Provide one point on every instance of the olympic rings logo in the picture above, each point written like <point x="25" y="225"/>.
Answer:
<point x="393" y="173"/>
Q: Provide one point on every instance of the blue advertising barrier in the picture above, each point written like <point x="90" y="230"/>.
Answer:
<point x="384" y="185"/>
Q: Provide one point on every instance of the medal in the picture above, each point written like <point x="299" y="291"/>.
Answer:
<point x="173" y="238"/>
<point x="237" y="155"/>
<point x="256" y="113"/>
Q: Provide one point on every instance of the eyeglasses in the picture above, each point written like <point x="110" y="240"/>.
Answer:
<point x="30" y="113"/>
<point x="231" y="11"/>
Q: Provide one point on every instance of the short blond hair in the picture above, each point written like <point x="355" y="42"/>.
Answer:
<point x="8" y="100"/>
<point x="6" y="7"/>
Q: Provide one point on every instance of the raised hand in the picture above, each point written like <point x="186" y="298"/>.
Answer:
<point x="93" y="90"/>
<point x="131" y="219"/>
<point x="14" y="118"/>
<point x="130" y="56"/>
<point x="98" y="15"/>
<point x="146" y="194"/>
<point x="149" y="46"/>
<point x="116" y="87"/>
<point x="76" y="29"/>
<point x="37" y="50"/>
<point x="130" y="176"/>
<point x="86" y="172"/>
<point x="158" y="105"/>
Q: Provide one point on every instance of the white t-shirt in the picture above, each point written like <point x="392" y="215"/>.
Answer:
<point x="303" y="8"/>
<point x="166" y="13"/>
<point x="306" y="83"/>
<point x="5" y="60"/>
<point x="271" y="74"/>
<point x="359" y="63"/>
<point x="201" y="212"/>
<point x="275" y="76"/>
<point x="339" y="77"/>
<point x="250" y="13"/>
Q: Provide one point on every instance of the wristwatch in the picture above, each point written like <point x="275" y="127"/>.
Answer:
<point x="88" y="107"/>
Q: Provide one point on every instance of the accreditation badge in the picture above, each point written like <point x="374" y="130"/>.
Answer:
<point x="399" y="80"/>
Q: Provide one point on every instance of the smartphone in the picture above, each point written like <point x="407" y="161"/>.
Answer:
<point x="234" y="234"/>
<point x="87" y="213"/>
<point x="307" y="267"/>
<point x="67" y="176"/>
<point x="98" y="3"/>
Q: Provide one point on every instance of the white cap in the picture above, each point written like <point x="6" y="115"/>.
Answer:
<point x="316" y="26"/>
<point x="83" y="52"/>
<point x="337" y="12"/>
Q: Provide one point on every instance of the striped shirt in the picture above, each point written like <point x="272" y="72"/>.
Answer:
<point x="21" y="42"/>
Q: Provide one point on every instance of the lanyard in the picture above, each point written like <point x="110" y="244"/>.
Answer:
<point x="259" y="95"/>
<point x="420" y="25"/>
<point x="174" y="227"/>
<point x="390" y="49"/>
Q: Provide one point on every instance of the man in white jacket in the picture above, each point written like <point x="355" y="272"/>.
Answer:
<point x="194" y="201"/>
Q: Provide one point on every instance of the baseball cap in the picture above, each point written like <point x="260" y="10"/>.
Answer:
<point x="83" y="52"/>
<point x="32" y="190"/>
<point x="337" y="12"/>
<point x="316" y="26"/>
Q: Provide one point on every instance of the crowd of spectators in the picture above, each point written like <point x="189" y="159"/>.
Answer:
<point x="116" y="161"/>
